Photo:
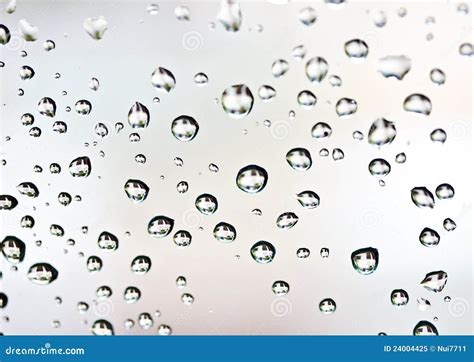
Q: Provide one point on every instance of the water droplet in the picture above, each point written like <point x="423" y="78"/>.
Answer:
<point x="438" y="135"/>
<point x="224" y="232"/>
<point x="95" y="27"/>
<point x="35" y="132"/>
<point x="425" y="328"/>
<point x="13" y="249"/>
<point x="316" y="69"/>
<point x="381" y="132"/>
<point x="27" y="221"/>
<point x="237" y="101"/>
<point x="26" y="72"/>
<point x="308" y="199"/>
<point x="164" y="330"/>
<point x="298" y="52"/>
<point x="5" y="35"/>
<point x="27" y="119"/>
<point x="435" y="281"/>
<point x="400" y="158"/>
<point x="131" y="295"/>
<point x="306" y="99"/>
<point x="94" y="264"/>
<point x="280" y="288"/>
<point x="321" y="130"/>
<point x="324" y="252"/>
<point x="399" y="297"/>
<point x="182" y="187"/>
<point x="163" y="80"/>
<point x="182" y="13"/>
<point x="107" y="241"/>
<point x="263" y="252"/>
<point x="287" y="220"/>
<point x="28" y="189"/>
<point x="356" y="49"/>
<point x="465" y="49"/>
<point x="184" y="128"/>
<point x="101" y="130"/>
<point x="307" y="16"/>
<point x="299" y="159"/>
<point x="280" y="67"/>
<point x="230" y="15"/>
<point x="252" y="179"/>
<point x="141" y="265"/>
<point x="357" y="135"/>
<point x="303" y="253"/>
<point x="394" y="66"/>
<point x="28" y="31"/>
<point x="346" y="107"/>
<point x="444" y="192"/>
<point x="160" y="226"/>
<point x="429" y="237"/>
<point x="449" y="224"/>
<point x="201" y="79"/>
<point x="42" y="273"/>
<point x="266" y="93"/>
<point x="365" y="261"/>
<point x="379" y="18"/>
<point x="437" y="76"/>
<point x="182" y="238"/>
<point x="423" y="304"/>
<point x="327" y="306"/>
<point x="152" y="9"/>
<point x="337" y="154"/>
<point x="379" y="167"/>
<point x="83" y="107"/>
<point x="94" y="84"/>
<point x="102" y="328"/>
<point x="49" y="45"/>
<point x="64" y="198"/>
<point x="422" y="197"/>
<point x="417" y="103"/>
<point x="335" y="81"/>
<point x="47" y="107"/>
<point x="206" y="204"/>
<point x="136" y="190"/>
<point x="80" y="167"/>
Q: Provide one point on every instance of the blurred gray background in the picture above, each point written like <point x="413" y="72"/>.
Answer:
<point x="233" y="294"/>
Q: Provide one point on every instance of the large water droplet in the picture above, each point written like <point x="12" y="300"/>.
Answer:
<point x="136" y="190"/>
<point x="444" y="192"/>
<point x="138" y="116"/>
<point x="160" y="226"/>
<point x="280" y="67"/>
<point x="449" y="224"/>
<point x="252" y="179"/>
<point x="5" y="35"/>
<point x="80" y="167"/>
<point x="299" y="159"/>
<point x="28" y="189"/>
<point x="425" y="328"/>
<point x="263" y="252"/>
<point x="224" y="232"/>
<point x="237" y="100"/>
<point x="280" y="288"/>
<point x="316" y="69"/>
<point x="42" y="273"/>
<point x="437" y="76"/>
<point x="365" y="261"/>
<point x="94" y="264"/>
<point x="429" y="237"/>
<point x="102" y="328"/>
<point x="28" y="31"/>
<point x="141" y="265"/>
<point x="184" y="128"/>
<point x="438" y="136"/>
<point x="327" y="306"/>
<point x="346" y="107"/>
<point x="307" y="16"/>
<point x="308" y="199"/>
<point x="95" y="27"/>
<point x="47" y="107"/>
<point x="182" y="238"/>
<point x="230" y="15"/>
<point x="83" y="107"/>
<point x="131" y="295"/>
<point x="381" y="132"/>
<point x="206" y="204"/>
<point x="356" y="49"/>
<point x="435" y="281"/>
<point x="306" y="99"/>
<point x="13" y="249"/>
<point x="287" y="220"/>
<point x="266" y="93"/>
<point x="417" y="103"/>
<point x="422" y="197"/>
<point x="163" y="80"/>
<point x="394" y="66"/>
<point x="379" y="167"/>
<point x="321" y="130"/>
<point x="399" y="297"/>
<point x="26" y="72"/>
